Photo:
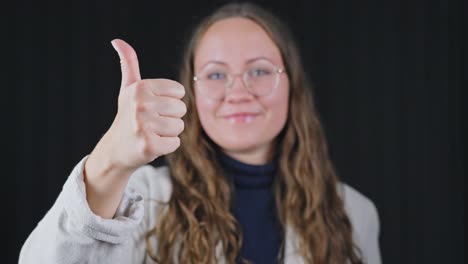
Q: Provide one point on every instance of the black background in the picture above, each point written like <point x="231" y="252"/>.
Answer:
<point x="390" y="80"/>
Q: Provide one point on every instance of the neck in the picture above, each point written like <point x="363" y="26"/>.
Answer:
<point x="257" y="156"/>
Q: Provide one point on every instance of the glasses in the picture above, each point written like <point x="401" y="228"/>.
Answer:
<point x="260" y="78"/>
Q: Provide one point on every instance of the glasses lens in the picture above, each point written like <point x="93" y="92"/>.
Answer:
<point x="213" y="81"/>
<point x="261" y="77"/>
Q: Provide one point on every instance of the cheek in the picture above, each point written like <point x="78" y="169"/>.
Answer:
<point x="206" y="110"/>
<point x="279" y="106"/>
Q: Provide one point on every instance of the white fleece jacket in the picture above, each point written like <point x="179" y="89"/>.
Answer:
<point x="71" y="233"/>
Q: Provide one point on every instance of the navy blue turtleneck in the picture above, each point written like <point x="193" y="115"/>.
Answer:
<point x="254" y="208"/>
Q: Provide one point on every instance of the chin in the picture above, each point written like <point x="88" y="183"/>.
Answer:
<point x="239" y="148"/>
<point x="240" y="145"/>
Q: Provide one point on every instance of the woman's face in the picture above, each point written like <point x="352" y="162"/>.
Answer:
<point x="242" y="124"/>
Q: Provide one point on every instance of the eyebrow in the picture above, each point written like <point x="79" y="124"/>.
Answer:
<point x="224" y="63"/>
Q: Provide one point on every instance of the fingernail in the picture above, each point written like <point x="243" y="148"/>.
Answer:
<point x="113" y="45"/>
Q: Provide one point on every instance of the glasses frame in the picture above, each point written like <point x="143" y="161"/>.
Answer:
<point x="231" y="77"/>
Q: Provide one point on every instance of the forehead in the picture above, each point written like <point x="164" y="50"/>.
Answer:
<point x="235" y="41"/>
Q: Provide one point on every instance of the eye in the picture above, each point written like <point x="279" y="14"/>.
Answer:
<point x="216" y="76"/>
<point x="259" y="72"/>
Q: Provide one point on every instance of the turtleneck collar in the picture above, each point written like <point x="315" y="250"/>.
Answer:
<point x="246" y="175"/>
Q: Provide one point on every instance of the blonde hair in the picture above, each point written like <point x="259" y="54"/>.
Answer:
<point x="198" y="216"/>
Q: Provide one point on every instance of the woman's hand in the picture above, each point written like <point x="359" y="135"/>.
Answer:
<point x="146" y="126"/>
<point x="148" y="120"/>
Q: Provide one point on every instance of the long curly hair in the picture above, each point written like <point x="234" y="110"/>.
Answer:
<point x="198" y="225"/>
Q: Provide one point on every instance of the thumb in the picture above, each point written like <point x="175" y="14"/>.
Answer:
<point x="128" y="62"/>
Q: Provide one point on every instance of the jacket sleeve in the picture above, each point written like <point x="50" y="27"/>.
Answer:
<point x="365" y="222"/>
<point x="370" y="248"/>
<point x="71" y="233"/>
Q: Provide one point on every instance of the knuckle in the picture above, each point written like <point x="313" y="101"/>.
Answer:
<point x="141" y="107"/>
<point x="182" y="90"/>
<point x="148" y="149"/>
<point x="181" y="126"/>
<point x="174" y="144"/>
<point x="140" y="85"/>
<point x="137" y="88"/>
<point x="170" y="144"/>
<point x="177" y="143"/>
<point x="184" y="109"/>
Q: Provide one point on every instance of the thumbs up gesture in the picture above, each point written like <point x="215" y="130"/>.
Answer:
<point x="148" y="120"/>
<point x="146" y="126"/>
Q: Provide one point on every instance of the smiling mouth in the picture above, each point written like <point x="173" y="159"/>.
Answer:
<point x="240" y="118"/>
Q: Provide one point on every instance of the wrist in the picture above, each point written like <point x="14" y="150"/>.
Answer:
<point x="100" y="165"/>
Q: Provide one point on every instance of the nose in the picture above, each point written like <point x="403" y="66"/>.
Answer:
<point x="238" y="91"/>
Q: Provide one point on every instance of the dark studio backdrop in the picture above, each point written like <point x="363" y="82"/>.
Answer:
<point x="389" y="79"/>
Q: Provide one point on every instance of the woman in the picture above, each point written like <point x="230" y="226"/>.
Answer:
<point x="250" y="180"/>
